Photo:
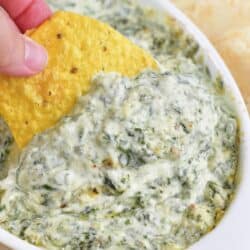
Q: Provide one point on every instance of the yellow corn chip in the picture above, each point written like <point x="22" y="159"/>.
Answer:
<point x="78" y="48"/>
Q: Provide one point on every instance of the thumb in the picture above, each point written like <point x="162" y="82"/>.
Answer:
<point x="19" y="55"/>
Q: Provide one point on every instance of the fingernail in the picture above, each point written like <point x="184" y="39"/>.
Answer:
<point x="36" y="57"/>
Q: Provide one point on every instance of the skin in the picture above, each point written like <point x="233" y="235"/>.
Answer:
<point x="19" y="55"/>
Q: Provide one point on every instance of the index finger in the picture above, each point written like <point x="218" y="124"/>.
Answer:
<point x="27" y="14"/>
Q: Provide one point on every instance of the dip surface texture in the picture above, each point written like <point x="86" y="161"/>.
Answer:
<point x="141" y="163"/>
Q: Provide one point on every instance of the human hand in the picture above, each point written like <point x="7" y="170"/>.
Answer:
<point x="19" y="55"/>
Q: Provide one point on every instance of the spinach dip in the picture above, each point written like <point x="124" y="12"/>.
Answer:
<point x="140" y="163"/>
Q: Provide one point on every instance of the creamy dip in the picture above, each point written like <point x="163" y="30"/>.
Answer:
<point x="141" y="163"/>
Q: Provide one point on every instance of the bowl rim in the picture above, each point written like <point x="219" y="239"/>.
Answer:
<point x="232" y="230"/>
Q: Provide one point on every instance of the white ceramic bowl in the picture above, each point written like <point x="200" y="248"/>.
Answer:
<point x="233" y="231"/>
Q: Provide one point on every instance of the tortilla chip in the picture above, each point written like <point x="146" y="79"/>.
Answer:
<point x="216" y="17"/>
<point x="78" y="47"/>
<point x="234" y="47"/>
<point x="227" y="25"/>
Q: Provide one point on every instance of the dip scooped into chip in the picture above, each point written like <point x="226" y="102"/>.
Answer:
<point x="78" y="47"/>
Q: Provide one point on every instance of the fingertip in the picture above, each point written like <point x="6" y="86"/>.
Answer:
<point x="34" y="61"/>
<point x="27" y="14"/>
<point x="34" y="15"/>
<point x="19" y="55"/>
<point x="15" y="7"/>
<point x="36" y="57"/>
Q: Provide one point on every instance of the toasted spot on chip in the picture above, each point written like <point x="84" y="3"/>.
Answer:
<point x="59" y="36"/>
<point x="78" y="48"/>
